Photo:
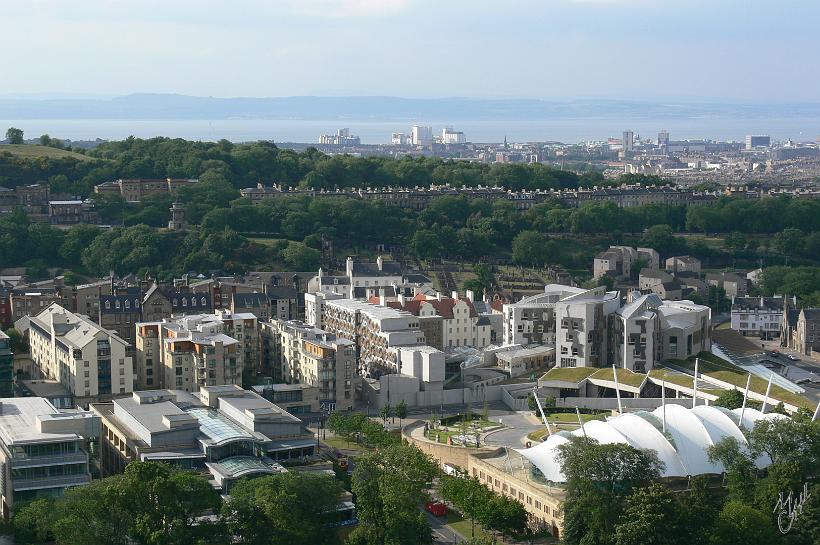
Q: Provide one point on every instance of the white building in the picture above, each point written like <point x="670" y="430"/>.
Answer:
<point x="582" y="328"/>
<point x="450" y="136"/>
<point x="374" y="329"/>
<point x="43" y="451"/>
<point x="421" y="136"/>
<point x="315" y="306"/>
<point x="532" y="319"/>
<point x="758" y="316"/>
<point x="649" y="330"/>
<point x="88" y="360"/>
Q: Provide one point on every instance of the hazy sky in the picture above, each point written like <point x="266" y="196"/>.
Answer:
<point x="662" y="49"/>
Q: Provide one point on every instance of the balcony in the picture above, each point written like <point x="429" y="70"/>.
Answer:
<point x="49" y="460"/>
<point x="51" y="482"/>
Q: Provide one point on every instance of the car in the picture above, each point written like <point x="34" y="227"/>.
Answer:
<point x="792" y="357"/>
<point x="773" y="353"/>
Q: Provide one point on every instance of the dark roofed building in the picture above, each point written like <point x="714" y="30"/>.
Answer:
<point x="120" y="313"/>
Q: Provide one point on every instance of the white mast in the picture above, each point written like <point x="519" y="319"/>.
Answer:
<point x="695" y="385"/>
<point x="816" y="413"/>
<point x="617" y="390"/>
<point x="663" y="403"/>
<point x="580" y="422"/>
<point x="745" y="396"/>
<point x="768" y="391"/>
<point x="541" y="410"/>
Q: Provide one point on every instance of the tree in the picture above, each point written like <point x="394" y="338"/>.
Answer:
<point x="401" y="411"/>
<point x="32" y="523"/>
<point x="16" y="341"/>
<point x="599" y="478"/>
<point x="301" y="257"/>
<point x="730" y="399"/>
<point x="389" y="485"/>
<point x="740" y="469"/>
<point x="386" y="412"/>
<point x="14" y="135"/>
<point x="283" y="509"/>
<point x="741" y="523"/>
<point x="482" y="283"/>
<point x="529" y="248"/>
<point x="649" y="518"/>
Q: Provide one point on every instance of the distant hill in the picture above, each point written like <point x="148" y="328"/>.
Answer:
<point x="33" y="150"/>
<point x="362" y="108"/>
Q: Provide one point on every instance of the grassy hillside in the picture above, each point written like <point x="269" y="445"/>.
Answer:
<point x="31" y="151"/>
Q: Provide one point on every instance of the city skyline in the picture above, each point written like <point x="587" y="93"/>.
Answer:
<point x="550" y="50"/>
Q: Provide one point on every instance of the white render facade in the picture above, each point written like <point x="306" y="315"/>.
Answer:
<point x="532" y="319"/>
<point x="759" y="316"/>
<point x="582" y="328"/>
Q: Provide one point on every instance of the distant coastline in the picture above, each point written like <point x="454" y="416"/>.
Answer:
<point x="567" y="130"/>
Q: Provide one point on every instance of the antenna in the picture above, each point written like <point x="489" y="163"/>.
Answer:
<point x="580" y="422"/>
<point x="745" y="395"/>
<point x="663" y="403"/>
<point x="768" y="391"/>
<point x="541" y="410"/>
<point x="695" y="385"/>
<point x="617" y="390"/>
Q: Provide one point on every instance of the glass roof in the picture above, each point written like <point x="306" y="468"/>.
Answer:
<point x="218" y="427"/>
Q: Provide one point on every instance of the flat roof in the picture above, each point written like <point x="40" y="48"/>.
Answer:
<point x="18" y="421"/>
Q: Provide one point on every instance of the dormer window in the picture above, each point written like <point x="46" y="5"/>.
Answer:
<point x="193" y="301"/>
<point x="184" y="302"/>
<point x="117" y="304"/>
<point x="203" y="301"/>
<point x="108" y="304"/>
<point x="128" y="304"/>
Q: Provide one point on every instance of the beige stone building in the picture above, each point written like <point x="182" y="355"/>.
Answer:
<point x="91" y="362"/>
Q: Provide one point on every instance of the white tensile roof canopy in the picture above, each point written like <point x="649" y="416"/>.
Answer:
<point x="682" y="449"/>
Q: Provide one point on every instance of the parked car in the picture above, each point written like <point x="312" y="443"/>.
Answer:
<point x="793" y="357"/>
<point x="773" y="353"/>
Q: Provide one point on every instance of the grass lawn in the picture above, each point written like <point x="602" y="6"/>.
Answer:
<point x="563" y="421"/>
<point x="265" y="241"/>
<point x="464" y="526"/>
<point x="720" y="369"/>
<point x="29" y="151"/>
<point x="625" y="376"/>
<point x="341" y="444"/>
<point x="569" y="374"/>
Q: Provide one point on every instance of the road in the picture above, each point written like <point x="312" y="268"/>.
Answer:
<point x="442" y="533"/>
<point x="517" y="427"/>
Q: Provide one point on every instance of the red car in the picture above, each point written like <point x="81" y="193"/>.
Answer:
<point x="437" y="508"/>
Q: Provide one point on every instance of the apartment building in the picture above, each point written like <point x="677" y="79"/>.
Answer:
<point x="683" y="263"/>
<point x="374" y="330"/>
<point x="302" y="354"/>
<point x="733" y="284"/>
<point x="135" y="189"/>
<point x="619" y="260"/>
<point x="90" y="361"/>
<point x="582" y="328"/>
<point x="6" y="366"/>
<point x="190" y="352"/>
<point x="445" y="321"/>
<point x="315" y="306"/>
<point x="758" y="316"/>
<point x="532" y="319"/>
<point x="43" y="451"/>
<point x="120" y="313"/>
<point x="225" y="430"/>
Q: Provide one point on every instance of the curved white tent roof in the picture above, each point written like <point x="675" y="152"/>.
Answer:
<point x="689" y="433"/>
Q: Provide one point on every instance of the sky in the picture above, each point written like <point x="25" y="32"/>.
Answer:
<point x="742" y="50"/>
